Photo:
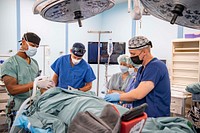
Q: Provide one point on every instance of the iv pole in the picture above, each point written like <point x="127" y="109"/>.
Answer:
<point x="44" y="57"/>
<point x="99" y="33"/>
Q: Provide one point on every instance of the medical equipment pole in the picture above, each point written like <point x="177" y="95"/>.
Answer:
<point x="44" y="57"/>
<point x="99" y="33"/>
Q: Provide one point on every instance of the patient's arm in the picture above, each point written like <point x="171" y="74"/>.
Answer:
<point x="87" y="87"/>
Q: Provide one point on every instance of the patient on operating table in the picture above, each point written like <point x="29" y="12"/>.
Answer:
<point x="56" y="108"/>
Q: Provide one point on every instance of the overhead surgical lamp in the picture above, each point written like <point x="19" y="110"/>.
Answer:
<point x="182" y="12"/>
<point x="70" y="10"/>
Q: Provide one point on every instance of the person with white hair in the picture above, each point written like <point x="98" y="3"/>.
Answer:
<point x="119" y="81"/>
<point x="152" y="85"/>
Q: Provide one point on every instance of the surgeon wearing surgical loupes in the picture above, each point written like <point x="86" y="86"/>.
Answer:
<point x="72" y="71"/>
<point x="152" y="85"/>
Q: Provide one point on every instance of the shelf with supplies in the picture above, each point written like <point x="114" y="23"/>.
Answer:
<point x="185" y="70"/>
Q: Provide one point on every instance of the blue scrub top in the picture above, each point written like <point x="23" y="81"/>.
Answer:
<point x="76" y="76"/>
<point x="159" y="98"/>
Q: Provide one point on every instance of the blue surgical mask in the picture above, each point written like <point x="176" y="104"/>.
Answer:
<point x="123" y="69"/>
<point x="132" y="72"/>
<point x="31" y="51"/>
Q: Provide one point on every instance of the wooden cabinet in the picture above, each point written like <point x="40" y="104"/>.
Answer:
<point x="185" y="70"/>
<point x="180" y="103"/>
<point x="185" y="62"/>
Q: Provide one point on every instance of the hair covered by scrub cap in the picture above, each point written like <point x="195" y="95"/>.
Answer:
<point x="139" y="42"/>
<point x="123" y="58"/>
<point x="31" y="37"/>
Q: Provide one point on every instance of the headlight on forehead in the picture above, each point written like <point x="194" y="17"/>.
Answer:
<point x="78" y="51"/>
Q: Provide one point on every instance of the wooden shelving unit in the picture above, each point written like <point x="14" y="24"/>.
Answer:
<point x="185" y="71"/>
<point x="185" y="61"/>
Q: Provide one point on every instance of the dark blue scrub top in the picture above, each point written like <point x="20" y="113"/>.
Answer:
<point x="159" y="98"/>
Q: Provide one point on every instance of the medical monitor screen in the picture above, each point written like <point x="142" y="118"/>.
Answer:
<point x="118" y="49"/>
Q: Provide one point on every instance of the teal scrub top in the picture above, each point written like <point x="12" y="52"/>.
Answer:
<point x="18" y="68"/>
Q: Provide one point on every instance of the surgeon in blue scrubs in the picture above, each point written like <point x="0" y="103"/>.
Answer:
<point x="73" y="71"/>
<point x="152" y="85"/>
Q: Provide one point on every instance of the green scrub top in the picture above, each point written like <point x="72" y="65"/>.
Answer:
<point x="18" y="68"/>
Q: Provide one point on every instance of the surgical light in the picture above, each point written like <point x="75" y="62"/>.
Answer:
<point x="70" y="10"/>
<point x="182" y="12"/>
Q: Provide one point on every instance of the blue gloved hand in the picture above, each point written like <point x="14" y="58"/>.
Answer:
<point x="113" y="97"/>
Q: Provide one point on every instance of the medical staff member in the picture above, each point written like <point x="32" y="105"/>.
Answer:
<point x="72" y="70"/>
<point x="152" y="85"/>
<point x="119" y="81"/>
<point x="18" y="73"/>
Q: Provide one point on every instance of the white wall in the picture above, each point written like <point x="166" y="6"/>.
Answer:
<point x="190" y="31"/>
<point x="51" y="33"/>
<point x="8" y="26"/>
<point x="161" y="33"/>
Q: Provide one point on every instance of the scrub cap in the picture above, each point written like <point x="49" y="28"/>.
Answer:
<point x="31" y="37"/>
<point x="78" y="49"/>
<point x="139" y="42"/>
<point x="123" y="58"/>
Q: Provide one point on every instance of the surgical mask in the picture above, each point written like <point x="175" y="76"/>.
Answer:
<point x="132" y="71"/>
<point x="75" y="62"/>
<point x="124" y="69"/>
<point x="136" y="59"/>
<point x="31" y="51"/>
